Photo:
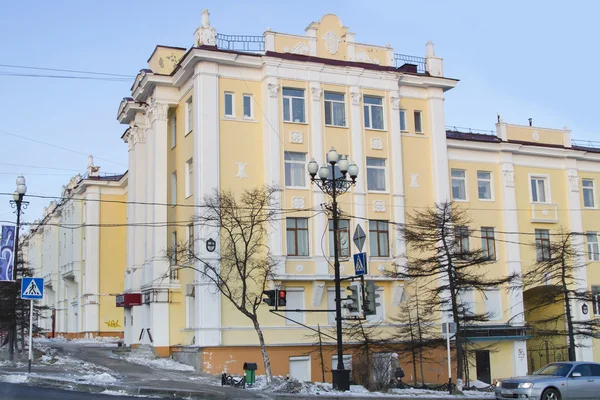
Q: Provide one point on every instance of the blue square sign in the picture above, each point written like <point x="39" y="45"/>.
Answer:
<point x="360" y="263"/>
<point x="32" y="288"/>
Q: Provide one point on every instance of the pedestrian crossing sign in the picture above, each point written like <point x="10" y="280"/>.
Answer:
<point x="32" y="288"/>
<point x="360" y="263"/>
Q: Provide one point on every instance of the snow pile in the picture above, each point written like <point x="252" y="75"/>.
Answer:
<point x="98" y="379"/>
<point x="97" y="341"/>
<point x="17" y="378"/>
<point x="159" y="363"/>
<point x="13" y="364"/>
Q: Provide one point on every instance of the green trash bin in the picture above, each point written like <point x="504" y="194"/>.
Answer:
<point x="250" y="373"/>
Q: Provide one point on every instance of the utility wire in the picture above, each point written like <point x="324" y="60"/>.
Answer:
<point x="39" y="166"/>
<point x="66" y="70"/>
<point x="89" y="78"/>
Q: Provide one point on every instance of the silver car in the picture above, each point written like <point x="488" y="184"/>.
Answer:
<point x="557" y="381"/>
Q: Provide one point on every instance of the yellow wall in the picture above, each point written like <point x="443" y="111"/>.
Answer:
<point x="535" y="134"/>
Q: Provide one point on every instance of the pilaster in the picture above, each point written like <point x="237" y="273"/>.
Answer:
<point x="358" y="156"/>
<point x="397" y="176"/>
<point x="91" y="299"/>
<point x="439" y="148"/>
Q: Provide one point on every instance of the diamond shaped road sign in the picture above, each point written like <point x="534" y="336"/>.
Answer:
<point x="359" y="237"/>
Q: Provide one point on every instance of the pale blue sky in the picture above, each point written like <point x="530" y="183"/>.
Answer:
<point x="523" y="59"/>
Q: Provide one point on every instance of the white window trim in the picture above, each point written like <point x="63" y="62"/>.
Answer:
<point x="289" y="99"/>
<point x="405" y="130"/>
<point x="189" y="168"/>
<point x="587" y="246"/>
<point x="189" y="122"/>
<point x="466" y="179"/>
<point x="232" y="115"/>
<point x="496" y="317"/>
<point x="173" y="130"/>
<point x="173" y="198"/>
<point x="295" y="162"/>
<point x="547" y="188"/>
<point x="421" y="120"/>
<point x="493" y="197"/>
<point x="336" y="101"/>
<point x="386" y="172"/>
<point x="302" y="318"/>
<point x="251" y="117"/>
<point x="310" y="248"/>
<point x="384" y="128"/>
<point x="593" y="193"/>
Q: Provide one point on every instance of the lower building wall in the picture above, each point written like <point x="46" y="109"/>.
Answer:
<point x="85" y="335"/>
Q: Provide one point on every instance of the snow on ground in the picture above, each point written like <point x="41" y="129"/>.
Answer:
<point x="13" y="378"/>
<point x="159" y="363"/>
<point x="97" y="341"/>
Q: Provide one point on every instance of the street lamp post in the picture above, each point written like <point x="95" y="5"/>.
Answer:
<point x="17" y="203"/>
<point x="334" y="187"/>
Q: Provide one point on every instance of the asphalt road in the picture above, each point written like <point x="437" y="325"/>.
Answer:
<point x="13" y="391"/>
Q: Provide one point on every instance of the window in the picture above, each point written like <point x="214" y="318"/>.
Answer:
<point x="248" y="106"/>
<point x="189" y="119"/>
<point x="488" y="244"/>
<point x="493" y="304"/>
<point x="466" y="299"/>
<point x="189" y="177"/>
<point x="293" y="105"/>
<point x="403" y="120"/>
<point x="174" y="189"/>
<point x="191" y="238"/>
<point x="297" y="236"/>
<point x="173" y="249"/>
<point x="331" y="306"/>
<point x="588" y="193"/>
<point x="295" y="164"/>
<point x="459" y="184"/>
<point x="295" y="301"/>
<point x="592" y="246"/>
<point x="229" y="105"/>
<point x="542" y="244"/>
<point x="300" y="368"/>
<point x="346" y="358"/>
<point x="596" y="299"/>
<point x="418" y="122"/>
<point x="484" y="185"/>
<point x="173" y="131"/>
<point x="461" y="239"/>
<point x="190" y="316"/>
<point x="538" y="189"/>
<point x="335" y="109"/>
<point x="378" y="239"/>
<point x="376" y="173"/>
<point x="373" y="112"/>
<point x="343" y="237"/>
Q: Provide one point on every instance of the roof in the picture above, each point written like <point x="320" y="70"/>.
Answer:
<point x="475" y="137"/>
<point x="105" y="177"/>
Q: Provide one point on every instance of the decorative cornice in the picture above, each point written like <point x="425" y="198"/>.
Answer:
<point x="159" y="110"/>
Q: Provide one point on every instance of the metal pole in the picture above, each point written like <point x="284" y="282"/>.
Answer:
<point x="30" y="333"/>
<point x="449" y="361"/>
<point x="13" y="324"/>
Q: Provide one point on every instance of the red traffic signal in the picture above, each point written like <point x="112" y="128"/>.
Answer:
<point x="275" y="298"/>
<point x="282" y="298"/>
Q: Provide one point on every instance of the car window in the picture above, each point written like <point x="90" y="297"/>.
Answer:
<point x="595" y="369"/>
<point x="583" y="369"/>
<point x="554" y="370"/>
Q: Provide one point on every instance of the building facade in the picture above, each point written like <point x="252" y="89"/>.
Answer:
<point x="240" y="112"/>
<point x="78" y="247"/>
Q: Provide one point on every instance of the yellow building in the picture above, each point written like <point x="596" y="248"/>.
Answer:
<point x="78" y="247"/>
<point x="239" y="112"/>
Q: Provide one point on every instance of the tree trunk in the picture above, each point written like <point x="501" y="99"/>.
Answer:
<point x="570" y="329"/>
<point x="421" y="366"/>
<point x="414" y="360"/>
<point x="263" y="350"/>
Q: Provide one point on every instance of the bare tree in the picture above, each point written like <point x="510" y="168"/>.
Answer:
<point x="447" y="268"/>
<point x="555" y="276"/>
<point x="245" y="266"/>
<point x="416" y="331"/>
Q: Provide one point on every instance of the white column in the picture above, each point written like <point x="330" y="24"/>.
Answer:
<point x="206" y="180"/>
<point x="358" y="156"/>
<point x="439" y="148"/>
<point x="131" y="191"/>
<point x="91" y="299"/>
<point x="584" y="345"/>
<point x="519" y="351"/>
<point x="272" y="163"/>
<point x="141" y="215"/>
<point x="148" y="214"/>
<point x="397" y="176"/>
<point x="320" y="222"/>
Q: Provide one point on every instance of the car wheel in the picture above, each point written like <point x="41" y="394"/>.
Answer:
<point x="551" y="394"/>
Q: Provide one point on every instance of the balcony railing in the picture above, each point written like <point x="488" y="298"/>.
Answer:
<point x="247" y="43"/>
<point x="402" y="59"/>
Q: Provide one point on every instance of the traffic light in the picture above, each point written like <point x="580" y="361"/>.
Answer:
<point x="281" y="300"/>
<point x="371" y="298"/>
<point x="354" y="301"/>
<point x="271" y="296"/>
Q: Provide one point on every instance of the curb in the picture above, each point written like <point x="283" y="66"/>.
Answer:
<point x="277" y="396"/>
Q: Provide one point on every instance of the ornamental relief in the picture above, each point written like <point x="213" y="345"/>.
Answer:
<point x="332" y="42"/>
<point x="377" y="144"/>
<point x="300" y="48"/>
<point x="273" y="89"/>
<point x="363" y="57"/>
<point x="297" y="137"/>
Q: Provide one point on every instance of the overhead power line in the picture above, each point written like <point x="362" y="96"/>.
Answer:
<point x="89" y="78"/>
<point x="67" y="70"/>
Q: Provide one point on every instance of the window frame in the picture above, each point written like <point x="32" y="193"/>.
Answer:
<point x="461" y="234"/>
<point x="173" y="189"/>
<point x="232" y="96"/>
<point x="189" y="180"/>
<point x="420" y="119"/>
<point x="294" y="162"/>
<point x="291" y="314"/>
<point x="596" y="300"/>
<point x="547" y="192"/>
<point x="189" y="115"/>
<point x="379" y="232"/>
<point x="465" y="183"/>
<point x="244" y="97"/>
<point x="296" y="231"/>
<point x="191" y="238"/>
<point x="332" y="116"/>
<point x="402" y="114"/>
<point x="488" y="239"/>
<point x="174" y="258"/>
<point x="490" y="181"/>
<point x="289" y="100"/>
<point x="487" y="301"/>
<point x="341" y="230"/>
<point x="540" y="246"/>
<point x="589" y="247"/>
<point x="369" y="106"/>
<point x="173" y="130"/>
<point x="385" y="173"/>
<point x="592" y="189"/>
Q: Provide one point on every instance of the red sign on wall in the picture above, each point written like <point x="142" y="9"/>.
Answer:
<point x="129" y="300"/>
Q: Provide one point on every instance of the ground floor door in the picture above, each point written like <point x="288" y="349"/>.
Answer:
<point x="484" y="373"/>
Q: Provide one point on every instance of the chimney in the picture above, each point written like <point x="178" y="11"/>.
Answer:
<point x="205" y="35"/>
<point x="530" y="121"/>
<point x="92" y="170"/>
<point x="434" y="65"/>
